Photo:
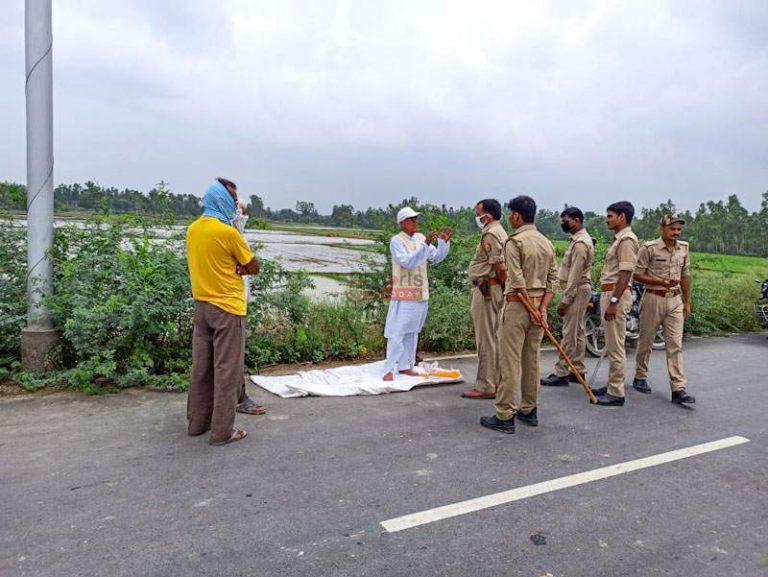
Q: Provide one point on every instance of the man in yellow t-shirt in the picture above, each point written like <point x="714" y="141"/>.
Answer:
<point x="217" y="256"/>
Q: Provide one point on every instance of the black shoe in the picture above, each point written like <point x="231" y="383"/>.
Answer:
<point x="572" y="378"/>
<point x="608" y="400"/>
<point x="531" y="419"/>
<point x="554" y="381"/>
<point x="497" y="424"/>
<point x="680" y="397"/>
<point x="641" y="386"/>
<point x="600" y="391"/>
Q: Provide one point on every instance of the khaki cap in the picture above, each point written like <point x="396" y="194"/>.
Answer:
<point x="671" y="218"/>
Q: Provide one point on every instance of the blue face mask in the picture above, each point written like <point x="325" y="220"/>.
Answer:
<point x="218" y="203"/>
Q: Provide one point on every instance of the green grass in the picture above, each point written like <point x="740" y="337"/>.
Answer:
<point x="752" y="266"/>
<point x="707" y="264"/>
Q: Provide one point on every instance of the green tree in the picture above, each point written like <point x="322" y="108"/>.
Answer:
<point x="343" y="215"/>
<point x="257" y="206"/>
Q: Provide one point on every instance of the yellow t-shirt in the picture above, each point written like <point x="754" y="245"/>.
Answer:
<point x="214" y="249"/>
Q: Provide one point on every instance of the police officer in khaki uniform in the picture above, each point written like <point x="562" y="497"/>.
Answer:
<point x="575" y="280"/>
<point x="665" y="269"/>
<point x="616" y="298"/>
<point x="487" y="273"/>
<point x="531" y="274"/>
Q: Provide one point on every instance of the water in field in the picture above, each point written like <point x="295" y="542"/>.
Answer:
<point x="314" y="254"/>
<point x="327" y="288"/>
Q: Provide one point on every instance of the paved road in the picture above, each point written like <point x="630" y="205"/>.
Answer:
<point x="111" y="486"/>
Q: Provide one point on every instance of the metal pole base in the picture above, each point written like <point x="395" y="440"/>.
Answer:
<point x="36" y="345"/>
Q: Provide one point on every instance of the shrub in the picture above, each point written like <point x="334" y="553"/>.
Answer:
<point x="13" y="296"/>
<point x="722" y="303"/>
<point x="448" y="326"/>
<point x="121" y="304"/>
<point x="287" y="326"/>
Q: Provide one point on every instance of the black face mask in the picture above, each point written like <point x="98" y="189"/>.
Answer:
<point x="566" y="227"/>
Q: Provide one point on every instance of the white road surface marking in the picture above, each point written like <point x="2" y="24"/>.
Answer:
<point x="480" y="503"/>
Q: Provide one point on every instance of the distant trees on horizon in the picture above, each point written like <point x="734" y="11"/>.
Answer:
<point x="721" y="227"/>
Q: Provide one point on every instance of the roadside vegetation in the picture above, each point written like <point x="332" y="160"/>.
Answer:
<point x="122" y="306"/>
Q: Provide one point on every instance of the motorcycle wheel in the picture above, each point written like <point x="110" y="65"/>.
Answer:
<point x="595" y="338"/>
<point x="658" y="341"/>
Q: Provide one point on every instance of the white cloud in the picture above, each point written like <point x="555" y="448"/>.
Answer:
<point x="344" y="101"/>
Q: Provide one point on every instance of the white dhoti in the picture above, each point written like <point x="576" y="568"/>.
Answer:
<point x="405" y="319"/>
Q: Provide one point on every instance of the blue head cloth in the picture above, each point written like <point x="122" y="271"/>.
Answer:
<point x="218" y="203"/>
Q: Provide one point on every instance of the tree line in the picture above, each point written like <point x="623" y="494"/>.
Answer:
<point x="90" y="197"/>
<point x="724" y="227"/>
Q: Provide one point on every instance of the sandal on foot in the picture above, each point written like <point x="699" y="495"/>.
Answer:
<point x="249" y="407"/>
<point x="237" y="435"/>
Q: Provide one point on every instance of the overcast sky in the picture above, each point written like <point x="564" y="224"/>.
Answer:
<point x="366" y="103"/>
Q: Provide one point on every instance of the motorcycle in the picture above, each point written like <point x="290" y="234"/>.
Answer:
<point x="596" y="332"/>
<point x="761" y="310"/>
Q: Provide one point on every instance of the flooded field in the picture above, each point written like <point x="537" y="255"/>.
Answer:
<point x="314" y="254"/>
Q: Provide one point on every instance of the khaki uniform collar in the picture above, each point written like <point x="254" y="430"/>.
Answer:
<point x="489" y="225"/>
<point x="582" y="234"/>
<point x="626" y="231"/>
<point x="660" y="243"/>
<point x="523" y="228"/>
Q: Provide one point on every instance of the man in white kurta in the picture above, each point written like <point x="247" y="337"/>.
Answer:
<point x="408" y="306"/>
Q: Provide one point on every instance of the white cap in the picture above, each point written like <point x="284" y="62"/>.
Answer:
<point x="406" y="212"/>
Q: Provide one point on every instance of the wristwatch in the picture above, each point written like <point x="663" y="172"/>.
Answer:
<point x="614" y="300"/>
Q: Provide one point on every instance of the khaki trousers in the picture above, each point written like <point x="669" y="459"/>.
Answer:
<point x="575" y="333"/>
<point x="519" y="343"/>
<point x="218" y="365"/>
<point x="615" y="334"/>
<point x="656" y="310"/>
<point x="485" y="317"/>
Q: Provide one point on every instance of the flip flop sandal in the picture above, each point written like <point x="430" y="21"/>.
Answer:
<point x="248" y="407"/>
<point x="237" y="435"/>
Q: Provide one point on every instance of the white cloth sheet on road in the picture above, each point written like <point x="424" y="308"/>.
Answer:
<point x="346" y="381"/>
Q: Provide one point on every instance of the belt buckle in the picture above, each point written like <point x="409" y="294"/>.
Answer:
<point x="670" y="293"/>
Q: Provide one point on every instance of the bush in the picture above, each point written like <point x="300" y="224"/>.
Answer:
<point x="13" y="295"/>
<point x="722" y="303"/>
<point x="284" y="325"/>
<point x="121" y="304"/>
<point x="449" y="326"/>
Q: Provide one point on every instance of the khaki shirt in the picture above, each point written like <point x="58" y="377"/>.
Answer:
<point x="621" y="256"/>
<point x="576" y="269"/>
<point x="490" y="251"/>
<point x="530" y="258"/>
<point x="658" y="261"/>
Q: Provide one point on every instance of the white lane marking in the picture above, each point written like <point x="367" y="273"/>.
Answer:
<point x="472" y="505"/>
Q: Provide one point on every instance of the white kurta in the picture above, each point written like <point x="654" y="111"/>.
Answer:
<point x="405" y="319"/>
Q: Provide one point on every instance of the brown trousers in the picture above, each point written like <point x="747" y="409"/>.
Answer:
<point x="575" y="333"/>
<point x="218" y="366"/>
<point x="519" y="344"/>
<point x="485" y="318"/>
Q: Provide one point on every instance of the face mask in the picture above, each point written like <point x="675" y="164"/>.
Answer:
<point x="239" y="222"/>
<point x="479" y="221"/>
<point x="566" y="228"/>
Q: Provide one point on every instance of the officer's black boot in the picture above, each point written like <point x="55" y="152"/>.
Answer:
<point x="531" y="419"/>
<point x="680" y="397"/>
<point x="641" y="386"/>
<point x="554" y="381"/>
